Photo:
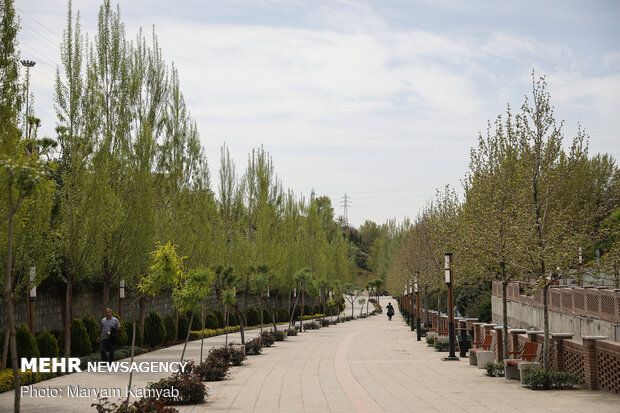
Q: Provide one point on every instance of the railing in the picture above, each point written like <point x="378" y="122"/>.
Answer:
<point x="588" y="302"/>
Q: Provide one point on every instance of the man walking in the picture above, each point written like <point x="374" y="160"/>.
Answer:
<point x="107" y="334"/>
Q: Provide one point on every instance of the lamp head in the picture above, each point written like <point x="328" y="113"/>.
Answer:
<point x="448" y="268"/>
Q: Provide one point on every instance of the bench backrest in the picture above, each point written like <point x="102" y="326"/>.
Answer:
<point x="531" y="351"/>
<point x="486" y="344"/>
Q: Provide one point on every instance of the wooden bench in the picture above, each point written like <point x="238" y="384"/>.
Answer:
<point x="529" y="356"/>
<point x="484" y="352"/>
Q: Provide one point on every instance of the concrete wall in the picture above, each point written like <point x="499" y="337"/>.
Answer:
<point x="524" y="316"/>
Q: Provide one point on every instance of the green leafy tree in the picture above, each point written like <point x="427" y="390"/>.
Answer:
<point x="488" y="213"/>
<point x="351" y="292"/>
<point x="556" y="207"/>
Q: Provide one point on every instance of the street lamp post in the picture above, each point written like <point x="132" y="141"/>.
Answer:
<point x="580" y="273"/>
<point x="448" y="280"/>
<point x="27" y="64"/>
<point x="417" y="295"/>
<point x="412" y="316"/>
<point x="121" y="297"/>
<point x="32" y="296"/>
<point x="405" y="303"/>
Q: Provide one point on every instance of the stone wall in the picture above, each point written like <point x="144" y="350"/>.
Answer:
<point x="49" y="306"/>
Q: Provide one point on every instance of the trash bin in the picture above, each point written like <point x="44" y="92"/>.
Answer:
<point x="464" y="341"/>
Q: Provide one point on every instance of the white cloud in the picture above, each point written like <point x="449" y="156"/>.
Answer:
<point x="343" y="98"/>
<point x="611" y="60"/>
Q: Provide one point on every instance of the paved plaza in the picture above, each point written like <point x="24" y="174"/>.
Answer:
<point x="368" y="365"/>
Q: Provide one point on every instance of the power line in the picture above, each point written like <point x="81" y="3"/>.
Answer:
<point x="43" y="74"/>
<point x="40" y="57"/>
<point x="39" y="23"/>
<point x="32" y="32"/>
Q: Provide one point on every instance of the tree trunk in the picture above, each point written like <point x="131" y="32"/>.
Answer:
<point x="105" y="299"/>
<point x="142" y="312"/>
<point x="290" y="323"/>
<point x="226" y="331"/>
<point x="133" y="347"/>
<point x="273" y="315"/>
<point x="246" y="294"/>
<point x="189" y="328"/>
<point x="324" y="306"/>
<point x="505" y="314"/>
<point x="303" y="308"/>
<point x="68" y="314"/>
<point x="176" y="320"/>
<point x="10" y="304"/>
<point x="241" y="324"/>
<point x="260" y="305"/>
<point x="426" y="305"/>
<point x="546" y="360"/>
<point x="202" y="334"/>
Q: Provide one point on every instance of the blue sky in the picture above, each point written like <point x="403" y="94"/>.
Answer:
<point x="378" y="99"/>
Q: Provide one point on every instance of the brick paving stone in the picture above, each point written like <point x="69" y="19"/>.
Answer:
<point x="369" y="365"/>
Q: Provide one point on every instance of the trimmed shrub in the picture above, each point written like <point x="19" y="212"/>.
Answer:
<point x="139" y="406"/>
<point x="236" y="356"/>
<point x="211" y="321"/>
<point x="253" y="347"/>
<point x="540" y="379"/>
<point x="283" y="315"/>
<point x="182" y="326"/>
<point x="191" y="390"/>
<point x="325" y="323"/>
<point x="215" y="367"/>
<point x="291" y="332"/>
<point x="26" y="343"/>
<point x="196" y="322"/>
<point x="430" y="341"/>
<point x="221" y="352"/>
<point x="253" y="316"/>
<point x="221" y="322"/>
<point x="308" y="310"/>
<point x="279" y="335"/>
<point x="313" y="325"/>
<point x="154" y="330"/>
<point x="80" y="341"/>
<point x="171" y="328"/>
<point x="266" y="316"/>
<point x="232" y="320"/>
<point x="442" y="345"/>
<point x="127" y="327"/>
<point x="59" y="335"/>
<point x="493" y="369"/>
<point x="267" y="338"/>
<point x="121" y="337"/>
<point x="26" y="378"/>
<point x="47" y="344"/>
<point x="92" y="328"/>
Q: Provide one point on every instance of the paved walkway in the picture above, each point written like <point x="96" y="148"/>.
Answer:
<point x="368" y="365"/>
